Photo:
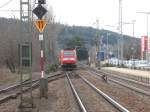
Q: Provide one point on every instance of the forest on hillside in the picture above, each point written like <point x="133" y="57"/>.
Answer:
<point x="11" y="37"/>
<point x="108" y="39"/>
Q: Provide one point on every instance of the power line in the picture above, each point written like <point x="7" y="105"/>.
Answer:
<point x="9" y="10"/>
<point x="6" y="4"/>
<point x="12" y="10"/>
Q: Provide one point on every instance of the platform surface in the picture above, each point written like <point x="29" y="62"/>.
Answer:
<point x="129" y="71"/>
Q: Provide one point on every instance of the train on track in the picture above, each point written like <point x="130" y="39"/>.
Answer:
<point x="68" y="59"/>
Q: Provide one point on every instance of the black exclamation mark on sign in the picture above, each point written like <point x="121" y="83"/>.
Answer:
<point x="39" y="25"/>
<point x="42" y="25"/>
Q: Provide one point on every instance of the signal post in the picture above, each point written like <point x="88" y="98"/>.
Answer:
<point x="40" y="23"/>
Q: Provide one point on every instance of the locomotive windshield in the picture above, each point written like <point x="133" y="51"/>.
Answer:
<point x="68" y="53"/>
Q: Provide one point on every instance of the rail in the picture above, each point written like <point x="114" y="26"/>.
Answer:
<point x="125" y="85"/>
<point x="113" y="102"/>
<point x="76" y="95"/>
<point x="35" y="85"/>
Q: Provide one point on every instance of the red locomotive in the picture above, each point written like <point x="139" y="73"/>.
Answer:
<point x="68" y="59"/>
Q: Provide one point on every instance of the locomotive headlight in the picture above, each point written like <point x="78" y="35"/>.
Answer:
<point x="68" y="59"/>
<point x="71" y="58"/>
<point x="65" y="59"/>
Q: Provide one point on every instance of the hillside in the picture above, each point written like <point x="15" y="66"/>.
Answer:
<point x="88" y="34"/>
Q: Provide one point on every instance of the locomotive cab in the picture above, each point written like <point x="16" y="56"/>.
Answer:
<point x="68" y="59"/>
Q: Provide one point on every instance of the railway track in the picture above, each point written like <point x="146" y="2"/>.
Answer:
<point x="13" y="92"/>
<point x="123" y="95"/>
<point x="139" y="87"/>
<point x="135" y="77"/>
<point x="103" y="99"/>
<point x="125" y="79"/>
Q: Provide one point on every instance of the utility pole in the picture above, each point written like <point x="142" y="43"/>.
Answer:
<point x="107" y="51"/>
<point x="120" y="28"/>
<point x="148" y="39"/>
<point x="118" y="49"/>
<point x="25" y="56"/>
<point x="98" y="45"/>
<point x="132" y="44"/>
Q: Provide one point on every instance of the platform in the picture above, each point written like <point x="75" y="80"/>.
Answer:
<point x="145" y="74"/>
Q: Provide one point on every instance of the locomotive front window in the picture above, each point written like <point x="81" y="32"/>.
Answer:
<point x="68" y="53"/>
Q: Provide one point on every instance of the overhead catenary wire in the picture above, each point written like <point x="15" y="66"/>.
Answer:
<point x="6" y="4"/>
<point x="12" y="10"/>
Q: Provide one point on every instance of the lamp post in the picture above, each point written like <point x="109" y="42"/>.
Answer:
<point x="107" y="51"/>
<point x="118" y="49"/>
<point x="133" y="23"/>
<point x="120" y="27"/>
<point x="98" y="44"/>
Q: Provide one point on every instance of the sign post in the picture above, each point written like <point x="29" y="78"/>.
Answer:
<point x="40" y="11"/>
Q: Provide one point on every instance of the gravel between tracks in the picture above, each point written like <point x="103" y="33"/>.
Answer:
<point x="60" y="99"/>
<point x="133" y="101"/>
<point x="92" y="101"/>
<point x="7" y="78"/>
<point x="133" y="84"/>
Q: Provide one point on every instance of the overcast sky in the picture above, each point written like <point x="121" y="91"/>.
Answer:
<point x="85" y="13"/>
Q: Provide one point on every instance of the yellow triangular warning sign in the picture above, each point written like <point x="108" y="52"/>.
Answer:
<point x="40" y="24"/>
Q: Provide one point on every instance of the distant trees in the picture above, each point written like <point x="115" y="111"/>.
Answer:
<point x="10" y="38"/>
<point x="82" y="53"/>
<point x="75" y="42"/>
<point x="88" y="34"/>
<point x="78" y="43"/>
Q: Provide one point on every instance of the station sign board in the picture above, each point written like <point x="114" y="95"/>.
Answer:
<point x="101" y="55"/>
<point x="143" y="43"/>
